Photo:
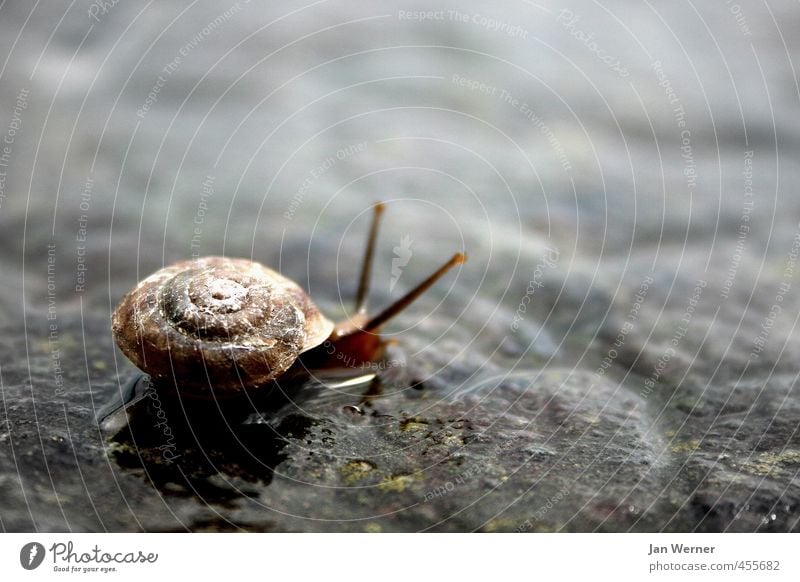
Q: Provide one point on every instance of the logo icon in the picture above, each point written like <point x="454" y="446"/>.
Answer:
<point x="402" y="255"/>
<point x="31" y="555"/>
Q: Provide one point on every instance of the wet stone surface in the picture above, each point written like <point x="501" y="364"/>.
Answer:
<point x="557" y="449"/>
<point x="610" y="358"/>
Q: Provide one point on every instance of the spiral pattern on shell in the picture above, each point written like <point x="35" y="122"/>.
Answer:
<point x="218" y="323"/>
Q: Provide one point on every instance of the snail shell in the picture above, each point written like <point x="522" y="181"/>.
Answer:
<point x="218" y="323"/>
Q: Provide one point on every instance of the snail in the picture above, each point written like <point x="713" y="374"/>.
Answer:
<point x="227" y="324"/>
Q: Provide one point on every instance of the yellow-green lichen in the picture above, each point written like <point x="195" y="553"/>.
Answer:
<point x="356" y="470"/>
<point x="413" y="424"/>
<point x="685" y="446"/>
<point x="771" y="463"/>
<point x="397" y="483"/>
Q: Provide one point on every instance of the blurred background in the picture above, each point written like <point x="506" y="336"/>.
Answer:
<point x="622" y="176"/>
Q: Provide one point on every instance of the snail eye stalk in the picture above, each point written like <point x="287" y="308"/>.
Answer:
<point x="376" y="322"/>
<point x="361" y="321"/>
<point x="369" y="254"/>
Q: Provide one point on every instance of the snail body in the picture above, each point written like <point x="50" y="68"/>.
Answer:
<point x="228" y="324"/>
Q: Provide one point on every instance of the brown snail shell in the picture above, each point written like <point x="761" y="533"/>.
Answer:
<point x="217" y="322"/>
